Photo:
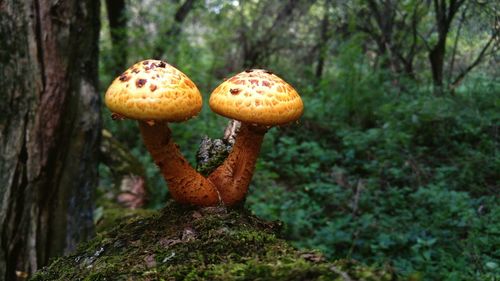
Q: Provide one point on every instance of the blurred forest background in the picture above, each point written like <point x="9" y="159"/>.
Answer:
<point x="396" y="159"/>
<point x="395" y="162"/>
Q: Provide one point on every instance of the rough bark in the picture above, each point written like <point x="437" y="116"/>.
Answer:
<point x="212" y="152"/>
<point x="49" y="129"/>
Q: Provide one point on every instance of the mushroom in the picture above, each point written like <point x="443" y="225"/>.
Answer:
<point x="259" y="99"/>
<point x="154" y="93"/>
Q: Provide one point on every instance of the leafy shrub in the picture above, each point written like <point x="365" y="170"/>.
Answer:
<point x="415" y="189"/>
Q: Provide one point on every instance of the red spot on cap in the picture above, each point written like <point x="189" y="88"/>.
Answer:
<point x="152" y="87"/>
<point x="124" y="77"/>
<point x="234" y="91"/>
<point x="140" y="82"/>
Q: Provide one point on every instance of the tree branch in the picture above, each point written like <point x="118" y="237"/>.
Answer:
<point x="455" y="44"/>
<point x="179" y="17"/>
<point x="475" y="63"/>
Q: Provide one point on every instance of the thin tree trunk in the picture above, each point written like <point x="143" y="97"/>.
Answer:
<point x="172" y="34"/>
<point x="256" y="51"/>
<point x="475" y="63"/>
<point x="323" y="40"/>
<point x="455" y="45"/>
<point x="118" y="30"/>
<point x="49" y="129"/>
<point x="436" y="58"/>
<point x="444" y="13"/>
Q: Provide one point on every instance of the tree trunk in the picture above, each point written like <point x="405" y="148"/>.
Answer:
<point x="258" y="49"/>
<point x="436" y="57"/>
<point x="324" y="36"/>
<point x="118" y="29"/>
<point x="444" y="13"/>
<point x="49" y="129"/>
<point x="172" y="34"/>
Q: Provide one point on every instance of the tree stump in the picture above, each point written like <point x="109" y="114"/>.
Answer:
<point x="188" y="243"/>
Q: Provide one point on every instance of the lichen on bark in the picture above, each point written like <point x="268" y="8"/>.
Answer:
<point x="186" y="243"/>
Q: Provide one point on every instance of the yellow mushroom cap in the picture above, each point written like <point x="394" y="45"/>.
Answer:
<point x="154" y="90"/>
<point x="258" y="97"/>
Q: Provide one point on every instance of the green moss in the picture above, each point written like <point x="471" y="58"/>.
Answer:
<point x="215" y="161"/>
<point x="110" y="217"/>
<point x="183" y="243"/>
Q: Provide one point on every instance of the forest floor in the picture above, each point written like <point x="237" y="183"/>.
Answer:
<point x="186" y="243"/>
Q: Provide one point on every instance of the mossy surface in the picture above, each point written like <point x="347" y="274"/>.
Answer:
<point x="184" y="243"/>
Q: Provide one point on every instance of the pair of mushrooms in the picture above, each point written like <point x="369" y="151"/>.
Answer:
<point x="155" y="93"/>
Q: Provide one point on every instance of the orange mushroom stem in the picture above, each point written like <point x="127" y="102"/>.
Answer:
<point x="233" y="177"/>
<point x="185" y="184"/>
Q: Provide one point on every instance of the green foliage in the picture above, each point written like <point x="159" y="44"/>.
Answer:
<point x="414" y="186"/>
<point x="432" y="230"/>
